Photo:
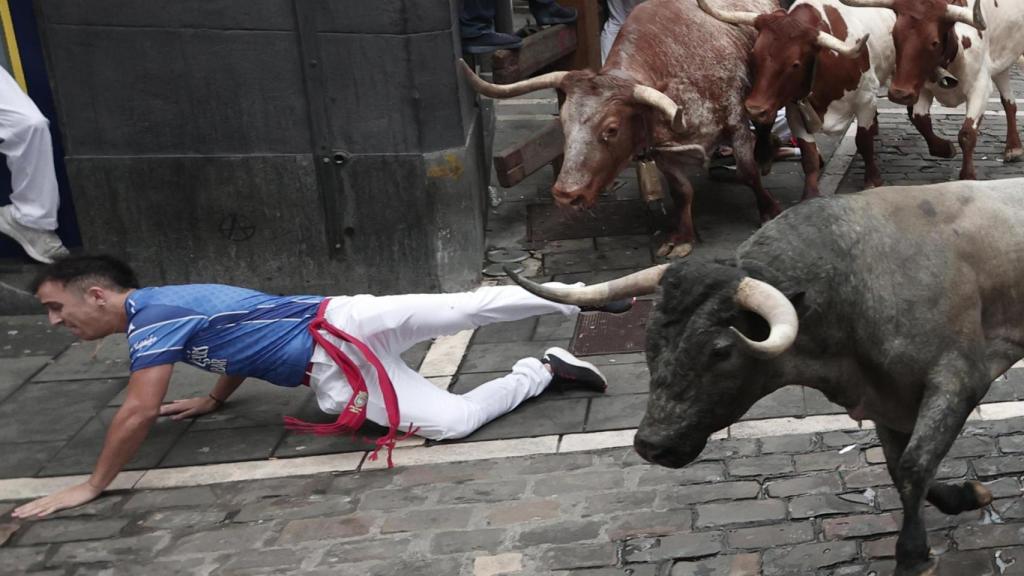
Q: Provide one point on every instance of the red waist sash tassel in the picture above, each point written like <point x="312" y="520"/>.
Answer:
<point x="354" y="414"/>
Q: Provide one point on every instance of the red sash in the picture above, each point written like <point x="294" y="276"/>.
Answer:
<point x="354" y="414"/>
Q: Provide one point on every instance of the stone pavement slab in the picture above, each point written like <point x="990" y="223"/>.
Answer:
<point x="107" y="358"/>
<point x="79" y="455"/>
<point x="588" y="513"/>
<point x="17" y="371"/>
<point x="23" y="336"/>
<point x="41" y="411"/>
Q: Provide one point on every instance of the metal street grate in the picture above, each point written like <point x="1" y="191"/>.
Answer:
<point x="611" y="333"/>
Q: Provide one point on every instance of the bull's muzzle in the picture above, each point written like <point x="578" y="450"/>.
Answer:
<point x="760" y="113"/>
<point x="901" y="95"/>
<point x="667" y="454"/>
<point x="572" y="198"/>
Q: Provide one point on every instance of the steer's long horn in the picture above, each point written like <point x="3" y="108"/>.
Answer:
<point x="870" y="3"/>
<point x="659" y="101"/>
<point x="766" y="301"/>
<point x="847" y="49"/>
<point x="549" y="80"/>
<point x="728" y="16"/>
<point x="969" y="17"/>
<point x="635" y="284"/>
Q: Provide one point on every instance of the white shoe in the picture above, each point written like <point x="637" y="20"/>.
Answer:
<point x="568" y="371"/>
<point x="42" y="245"/>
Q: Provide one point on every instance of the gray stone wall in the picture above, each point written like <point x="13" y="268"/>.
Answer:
<point x="310" y="146"/>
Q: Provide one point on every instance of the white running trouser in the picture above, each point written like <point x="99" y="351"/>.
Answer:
<point x="25" y="141"/>
<point x="618" y="11"/>
<point x="390" y="325"/>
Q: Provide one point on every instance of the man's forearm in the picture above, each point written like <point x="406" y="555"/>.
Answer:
<point x="127" y="431"/>
<point x="225" y="386"/>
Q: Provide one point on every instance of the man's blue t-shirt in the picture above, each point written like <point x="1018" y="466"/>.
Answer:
<point x="222" y="329"/>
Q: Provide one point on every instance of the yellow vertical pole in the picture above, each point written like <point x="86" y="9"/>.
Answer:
<point x="12" y="44"/>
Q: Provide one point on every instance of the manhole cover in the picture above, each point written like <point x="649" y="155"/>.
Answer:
<point x="616" y="218"/>
<point x="503" y="255"/>
<point x="611" y="333"/>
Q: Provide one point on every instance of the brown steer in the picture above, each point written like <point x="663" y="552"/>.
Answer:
<point x="973" y="43"/>
<point x="672" y="87"/>
<point x="812" y="60"/>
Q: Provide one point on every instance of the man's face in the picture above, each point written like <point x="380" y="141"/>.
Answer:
<point x="82" y="311"/>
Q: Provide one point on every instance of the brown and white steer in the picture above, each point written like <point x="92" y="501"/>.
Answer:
<point x="673" y="86"/>
<point x="812" y="61"/>
<point x="974" y="43"/>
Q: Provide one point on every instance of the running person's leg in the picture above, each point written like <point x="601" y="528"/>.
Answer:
<point x="437" y="414"/>
<point x="408" y="319"/>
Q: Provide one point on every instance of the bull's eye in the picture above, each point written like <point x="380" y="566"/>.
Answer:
<point x="935" y="44"/>
<point x="609" y="133"/>
<point x="721" y="351"/>
<point x="796" y="65"/>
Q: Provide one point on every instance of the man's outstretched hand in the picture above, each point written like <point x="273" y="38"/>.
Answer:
<point x="189" y="407"/>
<point x="67" y="498"/>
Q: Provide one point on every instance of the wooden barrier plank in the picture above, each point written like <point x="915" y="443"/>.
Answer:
<point x="539" y="50"/>
<point x="588" y="35"/>
<point x="516" y="162"/>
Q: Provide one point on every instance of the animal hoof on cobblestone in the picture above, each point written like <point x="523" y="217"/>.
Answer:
<point x="1013" y="155"/>
<point x="946" y="149"/>
<point x="670" y="250"/>
<point x="981" y="493"/>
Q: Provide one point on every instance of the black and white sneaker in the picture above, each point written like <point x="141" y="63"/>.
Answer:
<point x="613" y="307"/>
<point x="568" y="371"/>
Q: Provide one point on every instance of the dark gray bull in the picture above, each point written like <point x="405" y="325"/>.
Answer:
<point x="673" y="85"/>
<point x="901" y="304"/>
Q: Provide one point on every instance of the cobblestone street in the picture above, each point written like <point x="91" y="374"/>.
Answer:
<point x="796" y="504"/>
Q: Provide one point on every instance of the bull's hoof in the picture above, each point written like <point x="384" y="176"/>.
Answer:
<point x="1013" y="155"/>
<point x="956" y="498"/>
<point x="981" y="493"/>
<point x="945" y="149"/>
<point x="968" y="174"/>
<point x="873" y="182"/>
<point x="929" y="568"/>
<point x="671" y="250"/>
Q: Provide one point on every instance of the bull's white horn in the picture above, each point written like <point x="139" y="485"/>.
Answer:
<point x="847" y="49"/>
<point x="766" y="301"/>
<point x="549" y="80"/>
<point x="870" y="3"/>
<point x="636" y="284"/>
<point x="659" y="101"/>
<point x="970" y="17"/>
<point x="728" y="16"/>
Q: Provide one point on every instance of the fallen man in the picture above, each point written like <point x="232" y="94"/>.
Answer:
<point x="346" y="348"/>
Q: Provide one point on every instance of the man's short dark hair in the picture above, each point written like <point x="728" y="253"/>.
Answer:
<point x="101" y="270"/>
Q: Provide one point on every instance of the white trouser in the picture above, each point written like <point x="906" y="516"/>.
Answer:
<point x="781" y="127"/>
<point x="25" y="141"/>
<point x="618" y="11"/>
<point x="390" y="325"/>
